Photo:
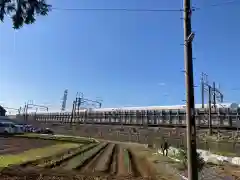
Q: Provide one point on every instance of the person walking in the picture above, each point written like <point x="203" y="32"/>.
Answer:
<point x="165" y="147"/>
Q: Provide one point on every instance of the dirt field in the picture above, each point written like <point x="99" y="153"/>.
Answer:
<point x="105" y="161"/>
<point x="150" y="136"/>
<point x="176" y="137"/>
<point x="227" y="170"/>
<point x="10" y="145"/>
<point x="92" y="161"/>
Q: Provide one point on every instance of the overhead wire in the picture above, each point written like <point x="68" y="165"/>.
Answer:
<point x="144" y="10"/>
<point x="117" y="9"/>
<point x="224" y="3"/>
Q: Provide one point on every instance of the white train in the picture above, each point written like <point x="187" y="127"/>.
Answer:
<point x="149" y="108"/>
<point x="152" y="108"/>
<point x="226" y="115"/>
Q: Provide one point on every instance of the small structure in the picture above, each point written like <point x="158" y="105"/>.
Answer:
<point x="2" y="111"/>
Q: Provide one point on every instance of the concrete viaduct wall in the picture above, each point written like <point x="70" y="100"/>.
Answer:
<point x="220" y="117"/>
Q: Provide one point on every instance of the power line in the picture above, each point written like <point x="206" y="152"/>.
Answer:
<point x="117" y="9"/>
<point x="225" y="3"/>
<point x="143" y="10"/>
<point x="217" y="4"/>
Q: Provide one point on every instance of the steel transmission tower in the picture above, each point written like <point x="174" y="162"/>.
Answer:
<point x="64" y="100"/>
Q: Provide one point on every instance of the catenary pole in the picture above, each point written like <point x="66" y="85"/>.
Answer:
<point x="202" y="90"/>
<point x="210" y="109"/>
<point x="190" y="113"/>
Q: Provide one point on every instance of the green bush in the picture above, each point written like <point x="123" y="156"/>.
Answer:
<point x="182" y="156"/>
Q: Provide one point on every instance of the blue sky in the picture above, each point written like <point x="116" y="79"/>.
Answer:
<point x="126" y="58"/>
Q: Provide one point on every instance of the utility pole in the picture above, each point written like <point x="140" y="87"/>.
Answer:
<point x="204" y="83"/>
<point x="217" y="94"/>
<point x="214" y="96"/>
<point x="190" y="112"/>
<point x="210" y="109"/>
<point x="64" y="100"/>
<point x="73" y="112"/>
<point x="202" y="90"/>
<point x="80" y="100"/>
<point x="29" y="105"/>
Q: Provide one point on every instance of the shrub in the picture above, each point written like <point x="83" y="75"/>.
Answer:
<point x="182" y="156"/>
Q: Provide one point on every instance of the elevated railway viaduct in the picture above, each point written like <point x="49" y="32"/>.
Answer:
<point x="220" y="117"/>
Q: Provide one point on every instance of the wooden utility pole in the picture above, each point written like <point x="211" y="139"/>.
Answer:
<point x="190" y="112"/>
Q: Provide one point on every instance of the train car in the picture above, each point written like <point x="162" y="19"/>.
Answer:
<point x="173" y="107"/>
<point x="223" y="115"/>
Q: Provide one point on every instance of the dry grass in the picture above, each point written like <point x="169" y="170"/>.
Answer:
<point x="227" y="170"/>
<point x="160" y="164"/>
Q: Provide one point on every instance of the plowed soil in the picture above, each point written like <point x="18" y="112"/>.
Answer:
<point x="10" y="145"/>
<point x="105" y="161"/>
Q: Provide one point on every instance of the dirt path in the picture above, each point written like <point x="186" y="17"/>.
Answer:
<point x="77" y="153"/>
<point x="162" y="165"/>
<point x="114" y="160"/>
<point x="8" y="150"/>
<point x="123" y="169"/>
<point x="111" y="161"/>
<point x="103" y="163"/>
<point x="133" y="165"/>
<point x="226" y="171"/>
<point x="37" y="174"/>
<point x="90" y="166"/>
<point x="83" y="158"/>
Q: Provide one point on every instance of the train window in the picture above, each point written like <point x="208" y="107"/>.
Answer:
<point x="12" y="126"/>
<point x="4" y="125"/>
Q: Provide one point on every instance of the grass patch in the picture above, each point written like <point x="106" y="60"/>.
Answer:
<point x="56" y="161"/>
<point x="74" y="139"/>
<point x="82" y="158"/>
<point x="34" y="154"/>
<point x="126" y="159"/>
